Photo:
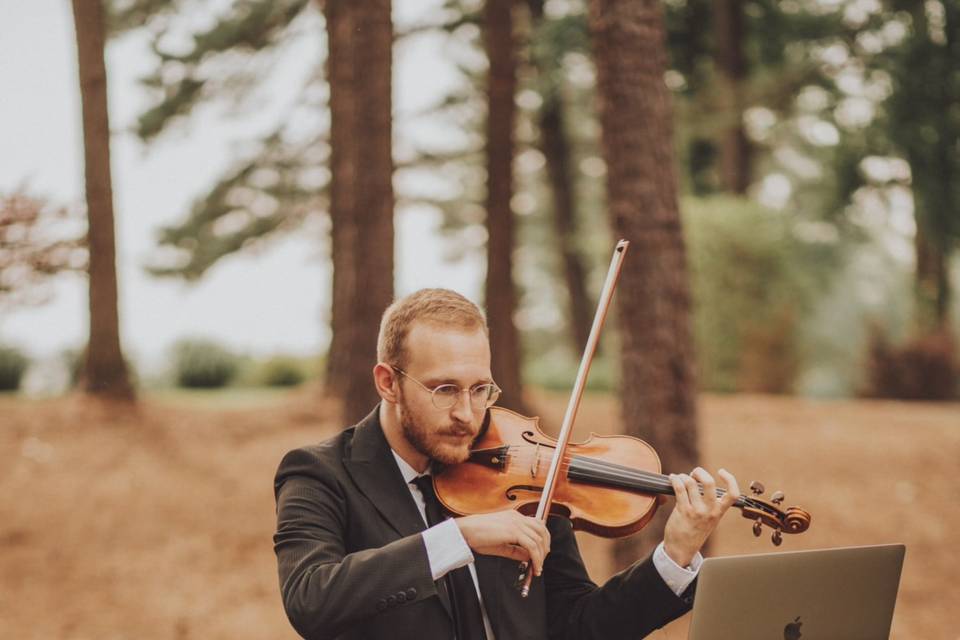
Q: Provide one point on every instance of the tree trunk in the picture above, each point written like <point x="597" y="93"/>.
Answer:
<point x="501" y="297"/>
<point x="932" y="282"/>
<point x="362" y="200"/>
<point x="555" y="146"/>
<point x="556" y="149"/>
<point x="932" y="163"/>
<point x="343" y="159"/>
<point x="731" y="63"/>
<point x="653" y="300"/>
<point x="104" y="370"/>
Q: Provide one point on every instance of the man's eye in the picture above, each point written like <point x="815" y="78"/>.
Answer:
<point x="447" y="390"/>
<point x="481" y="391"/>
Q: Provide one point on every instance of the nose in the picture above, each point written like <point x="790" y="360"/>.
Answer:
<point x="462" y="410"/>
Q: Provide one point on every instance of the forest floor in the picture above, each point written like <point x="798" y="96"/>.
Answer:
<point x="156" y="523"/>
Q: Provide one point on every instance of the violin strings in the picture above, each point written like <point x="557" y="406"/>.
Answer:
<point x="602" y="470"/>
<point x="590" y="464"/>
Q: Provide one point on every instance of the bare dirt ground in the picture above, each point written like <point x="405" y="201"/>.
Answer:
<point x="157" y="523"/>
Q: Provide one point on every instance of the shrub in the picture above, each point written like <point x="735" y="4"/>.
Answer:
<point x="13" y="364"/>
<point x="923" y="368"/>
<point x="769" y="362"/>
<point x="203" y="364"/>
<point x="282" y="371"/>
<point x="752" y="285"/>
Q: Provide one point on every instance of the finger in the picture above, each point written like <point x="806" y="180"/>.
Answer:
<point x="538" y="529"/>
<point x="693" y="490"/>
<point x="527" y="534"/>
<point x="542" y="536"/>
<point x="532" y="549"/>
<point x="733" y="489"/>
<point x="516" y="551"/>
<point x="680" y="491"/>
<point x="709" y="487"/>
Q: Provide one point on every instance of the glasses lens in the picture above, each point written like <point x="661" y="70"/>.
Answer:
<point x="445" y="396"/>
<point x="484" y="395"/>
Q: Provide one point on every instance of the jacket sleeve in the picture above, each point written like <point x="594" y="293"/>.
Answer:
<point x="630" y="605"/>
<point x="326" y="590"/>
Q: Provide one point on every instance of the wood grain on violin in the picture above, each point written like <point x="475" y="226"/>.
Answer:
<point x="608" y="485"/>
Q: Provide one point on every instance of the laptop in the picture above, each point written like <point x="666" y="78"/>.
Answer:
<point x="826" y="594"/>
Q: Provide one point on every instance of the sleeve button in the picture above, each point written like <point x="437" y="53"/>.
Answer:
<point x="391" y="601"/>
<point x="401" y="597"/>
<point x="381" y="605"/>
<point x="411" y="593"/>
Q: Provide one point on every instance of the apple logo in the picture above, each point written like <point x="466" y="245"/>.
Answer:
<point x="792" y="630"/>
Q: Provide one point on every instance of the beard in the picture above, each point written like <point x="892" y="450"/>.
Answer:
<point x="439" y="444"/>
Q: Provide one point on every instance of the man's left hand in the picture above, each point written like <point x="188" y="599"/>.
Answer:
<point x="695" y="516"/>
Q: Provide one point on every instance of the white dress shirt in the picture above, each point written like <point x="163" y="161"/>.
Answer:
<point x="447" y="550"/>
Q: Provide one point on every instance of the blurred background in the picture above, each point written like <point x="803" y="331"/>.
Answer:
<point x="205" y="206"/>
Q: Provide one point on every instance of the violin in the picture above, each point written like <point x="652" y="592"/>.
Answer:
<point x="609" y="486"/>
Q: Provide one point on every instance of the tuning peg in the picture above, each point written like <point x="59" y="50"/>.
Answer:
<point x="757" y="488"/>
<point x="757" y="528"/>
<point x="777" y="498"/>
<point x="777" y="538"/>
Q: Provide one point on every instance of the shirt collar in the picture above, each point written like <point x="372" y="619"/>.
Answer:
<point x="408" y="472"/>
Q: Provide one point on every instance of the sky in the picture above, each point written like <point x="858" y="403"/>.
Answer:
<point x="275" y="300"/>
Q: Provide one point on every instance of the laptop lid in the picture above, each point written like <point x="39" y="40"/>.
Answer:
<point x="826" y="594"/>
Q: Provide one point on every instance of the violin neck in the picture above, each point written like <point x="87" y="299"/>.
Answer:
<point x="593" y="471"/>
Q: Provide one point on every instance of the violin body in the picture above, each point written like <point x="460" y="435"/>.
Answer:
<point x="508" y="467"/>
<point x="610" y="486"/>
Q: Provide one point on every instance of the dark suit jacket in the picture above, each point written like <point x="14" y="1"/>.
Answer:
<point x="353" y="564"/>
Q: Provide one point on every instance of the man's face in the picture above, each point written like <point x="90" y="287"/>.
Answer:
<point x="435" y="356"/>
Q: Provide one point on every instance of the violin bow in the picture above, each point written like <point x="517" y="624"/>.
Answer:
<point x="546" y="498"/>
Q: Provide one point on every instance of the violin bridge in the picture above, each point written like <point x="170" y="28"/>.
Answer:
<point x="495" y="458"/>
<point x="535" y="465"/>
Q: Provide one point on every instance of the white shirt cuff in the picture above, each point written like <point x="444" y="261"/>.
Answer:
<point x="446" y="548"/>
<point x="677" y="578"/>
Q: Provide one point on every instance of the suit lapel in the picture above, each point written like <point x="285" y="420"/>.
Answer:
<point x="373" y="469"/>
<point x="375" y="472"/>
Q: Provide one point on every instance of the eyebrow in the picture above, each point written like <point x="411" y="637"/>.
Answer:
<point x="435" y="382"/>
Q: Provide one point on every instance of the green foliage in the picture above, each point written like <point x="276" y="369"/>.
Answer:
<point x="255" y="200"/>
<point x="776" y="43"/>
<point x="181" y="80"/>
<point x="13" y="364"/>
<point x="203" y="364"/>
<point x="556" y="369"/>
<point x="922" y="115"/>
<point x="126" y="15"/>
<point x="267" y="192"/>
<point x="753" y="283"/>
<point x="282" y="371"/>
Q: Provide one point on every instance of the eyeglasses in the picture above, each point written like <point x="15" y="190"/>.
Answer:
<point x="445" y="396"/>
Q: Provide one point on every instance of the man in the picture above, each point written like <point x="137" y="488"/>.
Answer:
<point x="357" y="558"/>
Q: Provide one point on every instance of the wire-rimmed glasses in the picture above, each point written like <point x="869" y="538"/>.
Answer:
<point x="444" y="396"/>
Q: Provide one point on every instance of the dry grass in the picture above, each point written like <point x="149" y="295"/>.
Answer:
<point x="157" y="523"/>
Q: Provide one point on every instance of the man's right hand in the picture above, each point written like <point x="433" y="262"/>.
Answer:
<point x="508" y="534"/>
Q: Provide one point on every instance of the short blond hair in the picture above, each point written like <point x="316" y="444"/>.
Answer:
<point x="439" y="307"/>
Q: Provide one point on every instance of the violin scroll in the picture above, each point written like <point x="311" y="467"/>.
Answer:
<point x="791" y="520"/>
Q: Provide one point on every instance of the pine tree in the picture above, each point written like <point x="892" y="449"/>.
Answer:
<point x="104" y="371"/>
<point x="658" y="396"/>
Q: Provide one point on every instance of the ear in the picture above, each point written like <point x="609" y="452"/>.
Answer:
<point x="384" y="378"/>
